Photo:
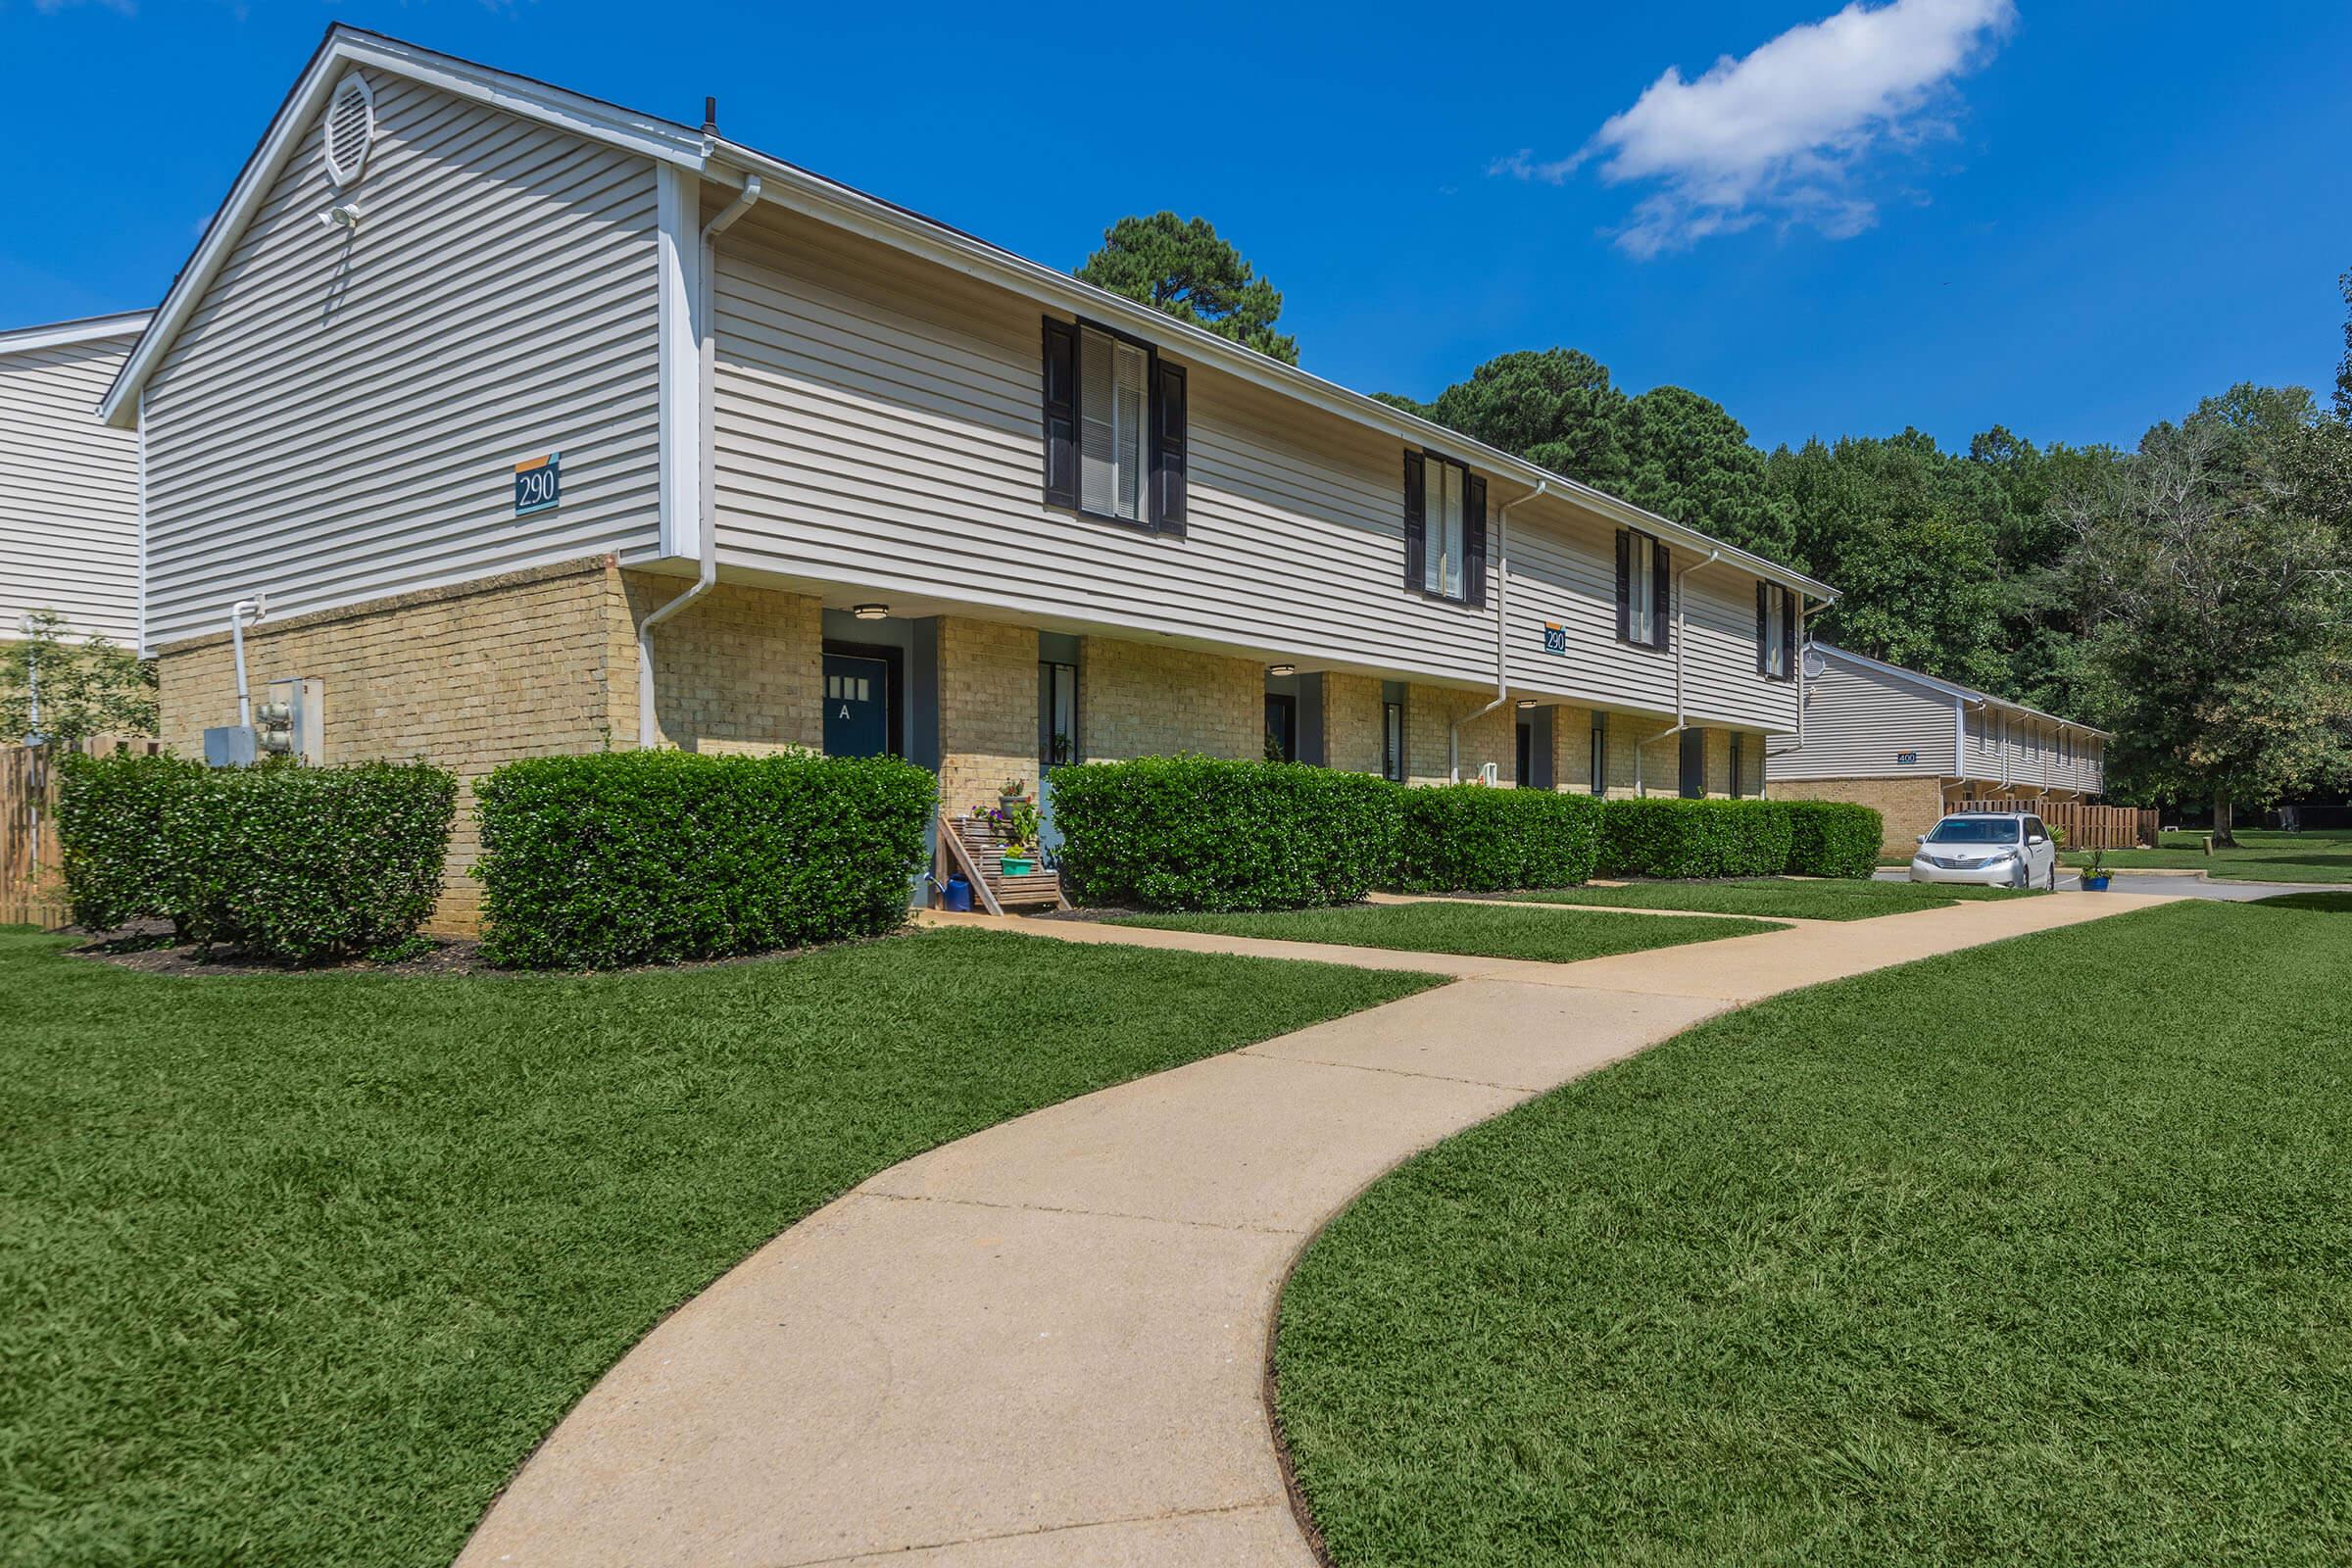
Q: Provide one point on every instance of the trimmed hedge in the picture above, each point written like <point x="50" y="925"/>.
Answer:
<point x="1833" y="838"/>
<point x="110" y="827"/>
<point x="1197" y="834"/>
<point x="286" y="861"/>
<point x="1472" y="838"/>
<point x="656" y="857"/>
<point x="1673" y="838"/>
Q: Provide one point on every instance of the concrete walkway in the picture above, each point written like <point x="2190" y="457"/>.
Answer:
<point x="1046" y="1343"/>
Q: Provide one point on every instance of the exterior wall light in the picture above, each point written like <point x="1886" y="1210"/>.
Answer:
<point x="870" y="612"/>
<point x="1282" y="669"/>
<point x="1526" y="702"/>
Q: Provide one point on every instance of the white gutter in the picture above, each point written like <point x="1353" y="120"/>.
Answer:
<point x="1502" y="680"/>
<point x="242" y="614"/>
<point x="706" y="578"/>
<point x="1681" y="619"/>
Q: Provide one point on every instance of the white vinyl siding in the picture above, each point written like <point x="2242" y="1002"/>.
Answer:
<point x="340" y="418"/>
<point x="69" y="493"/>
<point x="879" y="429"/>
<point x="1444" y="489"/>
<point x="1114" y="412"/>
<point x="1862" y="722"/>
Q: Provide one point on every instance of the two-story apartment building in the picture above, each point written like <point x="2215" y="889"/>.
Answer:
<point x="545" y="425"/>
<point x="1916" y="747"/>
<point x="69" y="485"/>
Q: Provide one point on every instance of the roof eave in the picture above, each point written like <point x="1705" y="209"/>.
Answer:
<point x="1966" y="694"/>
<point x="81" y="329"/>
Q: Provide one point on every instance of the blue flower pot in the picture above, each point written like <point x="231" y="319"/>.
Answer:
<point x="2095" y="884"/>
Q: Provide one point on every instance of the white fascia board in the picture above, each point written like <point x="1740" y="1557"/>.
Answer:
<point x="344" y="48"/>
<point x="84" y="329"/>
<point x="678" y="265"/>
<point x="845" y="208"/>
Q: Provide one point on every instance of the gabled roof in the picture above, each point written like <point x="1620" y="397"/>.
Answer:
<point x="728" y="162"/>
<point x="81" y="329"/>
<point x="1966" y="694"/>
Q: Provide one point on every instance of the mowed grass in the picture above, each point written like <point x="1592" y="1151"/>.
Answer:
<point x="2261" y="857"/>
<point x="1776" y="896"/>
<point x="2040" y="1253"/>
<point x="1466" y="927"/>
<point x="299" y="1268"/>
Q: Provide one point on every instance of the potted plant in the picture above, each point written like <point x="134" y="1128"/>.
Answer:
<point x="2094" y="873"/>
<point x="1011" y="793"/>
<point x="1018" y="822"/>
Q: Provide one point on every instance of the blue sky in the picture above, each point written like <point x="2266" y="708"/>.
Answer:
<point x="2072" y="218"/>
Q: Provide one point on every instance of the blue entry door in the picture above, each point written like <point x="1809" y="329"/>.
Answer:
<point x="856" y="706"/>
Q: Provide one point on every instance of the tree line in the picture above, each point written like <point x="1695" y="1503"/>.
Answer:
<point x="2191" y="593"/>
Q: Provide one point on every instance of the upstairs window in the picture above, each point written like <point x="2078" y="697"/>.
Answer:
<point x="1115" y="438"/>
<point x="1444" y="529"/>
<point x="1775" y="632"/>
<point x="1645" y="587"/>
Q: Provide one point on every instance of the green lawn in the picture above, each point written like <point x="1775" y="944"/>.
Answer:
<point x="1467" y="927"/>
<point x="1784" y="898"/>
<point x="299" y="1268"/>
<point x="2261" y="857"/>
<point x="2036" y="1253"/>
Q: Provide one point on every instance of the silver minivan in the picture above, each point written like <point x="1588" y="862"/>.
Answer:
<point x="1988" y="849"/>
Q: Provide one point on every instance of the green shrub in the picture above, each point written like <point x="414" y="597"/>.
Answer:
<point x="1662" y="836"/>
<point x="292" y="863"/>
<point x="655" y="857"/>
<point x="1195" y="834"/>
<point x="110" y="827"/>
<point x="1833" y="838"/>
<point x="1477" y="839"/>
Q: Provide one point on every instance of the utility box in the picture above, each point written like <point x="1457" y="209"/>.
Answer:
<point x="292" y="720"/>
<point x="229" y="746"/>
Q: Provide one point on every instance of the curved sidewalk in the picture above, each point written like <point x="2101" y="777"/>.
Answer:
<point x="1046" y="1343"/>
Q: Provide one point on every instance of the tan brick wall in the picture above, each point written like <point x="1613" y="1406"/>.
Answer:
<point x="1910" y="806"/>
<point x="1352" y="723"/>
<point x="1135" y="700"/>
<point x="520" y="666"/>
<point x="1429" y="715"/>
<point x="986" y="709"/>
<point x="740" y="668"/>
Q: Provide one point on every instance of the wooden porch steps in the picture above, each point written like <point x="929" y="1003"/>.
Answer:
<point x="970" y="845"/>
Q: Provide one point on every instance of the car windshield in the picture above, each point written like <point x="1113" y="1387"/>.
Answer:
<point x="1974" y="830"/>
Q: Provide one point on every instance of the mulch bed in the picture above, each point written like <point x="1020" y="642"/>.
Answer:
<point x="148" y="949"/>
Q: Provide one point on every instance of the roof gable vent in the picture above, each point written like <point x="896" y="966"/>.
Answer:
<point x="350" y="129"/>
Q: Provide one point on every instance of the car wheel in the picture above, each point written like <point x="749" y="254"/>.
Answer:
<point x="2024" y="878"/>
<point x="2053" y="876"/>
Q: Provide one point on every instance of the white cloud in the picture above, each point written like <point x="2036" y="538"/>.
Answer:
<point x="1781" y="133"/>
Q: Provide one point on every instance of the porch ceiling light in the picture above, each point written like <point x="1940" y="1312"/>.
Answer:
<point x="1526" y="702"/>
<point x="870" y="612"/>
<point x="1282" y="669"/>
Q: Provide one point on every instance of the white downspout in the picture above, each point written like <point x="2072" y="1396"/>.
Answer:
<point x="708" y="576"/>
<point x="1502" y="683"/>
<point x="244" y="613"/>
<point x="1682" y="618"/>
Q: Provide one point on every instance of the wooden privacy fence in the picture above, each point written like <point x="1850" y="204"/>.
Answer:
<point x="32" y="892"/>
<point x="2088" y="827"/>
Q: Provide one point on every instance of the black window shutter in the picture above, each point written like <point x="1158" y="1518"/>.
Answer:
<point x="1170" y="448"/>
<point x="1788" y="634"/>
<point x="1416" y="527"/>
<point x="1474" y="540"/>
<point x="1061" y="413"/>
<point x="1661" y="578"/>
<point x="1625" y="586"/>
<point x="1763" y="614"/>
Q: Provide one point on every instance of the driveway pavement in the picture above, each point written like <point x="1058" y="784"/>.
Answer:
<point x="1045" y="1345"/>
<point x="2167" y="885"/>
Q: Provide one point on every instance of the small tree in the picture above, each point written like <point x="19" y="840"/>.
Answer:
<point x="1181" y="266"/>
<point x="78" y="688"/>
